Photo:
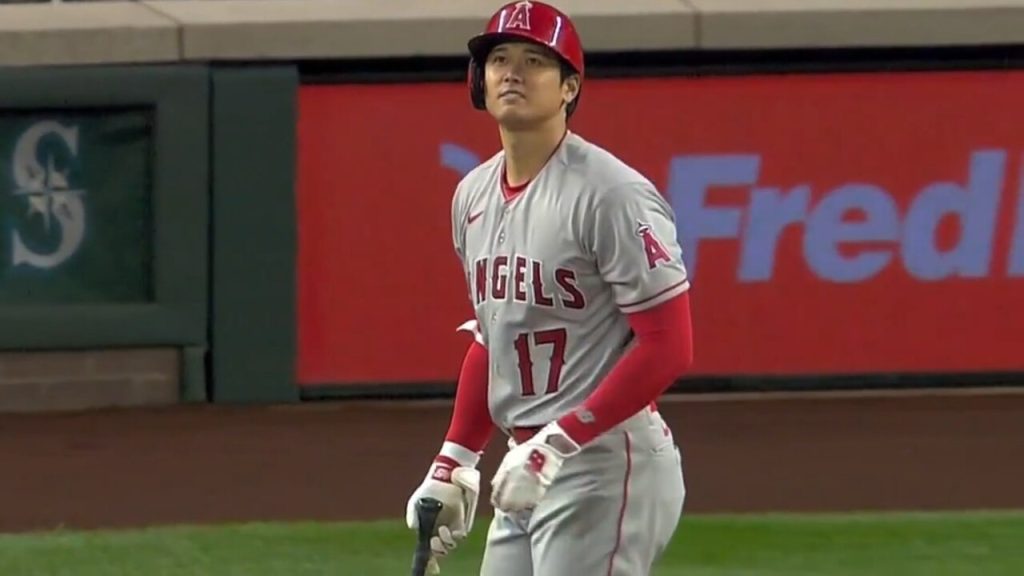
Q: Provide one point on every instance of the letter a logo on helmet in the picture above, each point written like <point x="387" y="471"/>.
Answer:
<point x="520" y="17"/>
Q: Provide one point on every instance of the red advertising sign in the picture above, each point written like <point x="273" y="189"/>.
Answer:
<point x="831" y="224"/>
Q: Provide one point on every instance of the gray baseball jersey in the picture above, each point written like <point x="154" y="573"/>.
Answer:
<point x="552" y="270"/>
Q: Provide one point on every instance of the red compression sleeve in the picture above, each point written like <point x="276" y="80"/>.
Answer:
<point x="663" y="351"/>
<point x="471" y="426"/>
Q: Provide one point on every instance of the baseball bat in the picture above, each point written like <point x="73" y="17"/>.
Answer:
<point x="427" y="511"/>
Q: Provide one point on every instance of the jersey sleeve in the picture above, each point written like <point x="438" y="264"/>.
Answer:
<point x="458" y="232"/>
<point x="458" y="215"/>
<point x="459" y="239"/>
<point x="634" y="242"/>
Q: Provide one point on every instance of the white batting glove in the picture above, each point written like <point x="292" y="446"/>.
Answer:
<point x="528" y="469"/>
<point x="453" y="479"/>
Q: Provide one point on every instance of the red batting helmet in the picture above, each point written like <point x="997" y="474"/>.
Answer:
<point x="524" y="20"/>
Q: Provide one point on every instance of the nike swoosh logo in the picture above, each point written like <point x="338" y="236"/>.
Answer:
<point x="473" y="217"/>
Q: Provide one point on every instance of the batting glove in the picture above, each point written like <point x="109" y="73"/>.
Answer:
<point x="528" y="469"/>
<point x="457" y="486"/>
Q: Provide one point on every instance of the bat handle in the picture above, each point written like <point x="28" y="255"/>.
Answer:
<point x="427" y="511"/>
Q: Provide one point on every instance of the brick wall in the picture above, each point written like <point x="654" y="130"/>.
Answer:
<point x="37" y="381"/>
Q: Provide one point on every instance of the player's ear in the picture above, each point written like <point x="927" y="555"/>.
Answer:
<point x="570" y="88"/>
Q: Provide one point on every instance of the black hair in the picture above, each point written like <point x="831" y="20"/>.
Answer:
<point x="567" y="69"/>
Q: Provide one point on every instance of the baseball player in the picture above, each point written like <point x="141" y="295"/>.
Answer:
<point x="582" y="320"/>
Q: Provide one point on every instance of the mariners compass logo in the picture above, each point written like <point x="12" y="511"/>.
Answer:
<point x="51" y="227"/>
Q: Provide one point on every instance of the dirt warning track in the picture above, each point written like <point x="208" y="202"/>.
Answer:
<point x="360" y="460"/>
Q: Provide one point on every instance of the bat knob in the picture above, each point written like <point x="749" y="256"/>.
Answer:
<point x="427" y="511"/>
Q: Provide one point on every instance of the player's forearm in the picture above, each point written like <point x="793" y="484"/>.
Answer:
<point x="471" y="426"/>
<point x="663" y="352"/>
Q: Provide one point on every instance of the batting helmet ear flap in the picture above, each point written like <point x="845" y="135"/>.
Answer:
<point x="476" y="85"/>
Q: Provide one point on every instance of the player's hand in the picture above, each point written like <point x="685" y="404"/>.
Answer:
<point x="458" y="488"/>
<point x="528" y="469"/>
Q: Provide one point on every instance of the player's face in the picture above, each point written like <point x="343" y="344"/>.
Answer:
<point x="524" y="85"/>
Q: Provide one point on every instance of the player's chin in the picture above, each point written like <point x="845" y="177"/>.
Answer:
<point x="514" y="117"/>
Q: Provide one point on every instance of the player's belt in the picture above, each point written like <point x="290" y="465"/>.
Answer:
<point x="523" y="433"/>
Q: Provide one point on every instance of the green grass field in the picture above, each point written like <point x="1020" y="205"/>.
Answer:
<point x="826" y="545"/>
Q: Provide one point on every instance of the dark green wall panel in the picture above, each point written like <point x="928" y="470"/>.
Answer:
<point x="254" y="244"/>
